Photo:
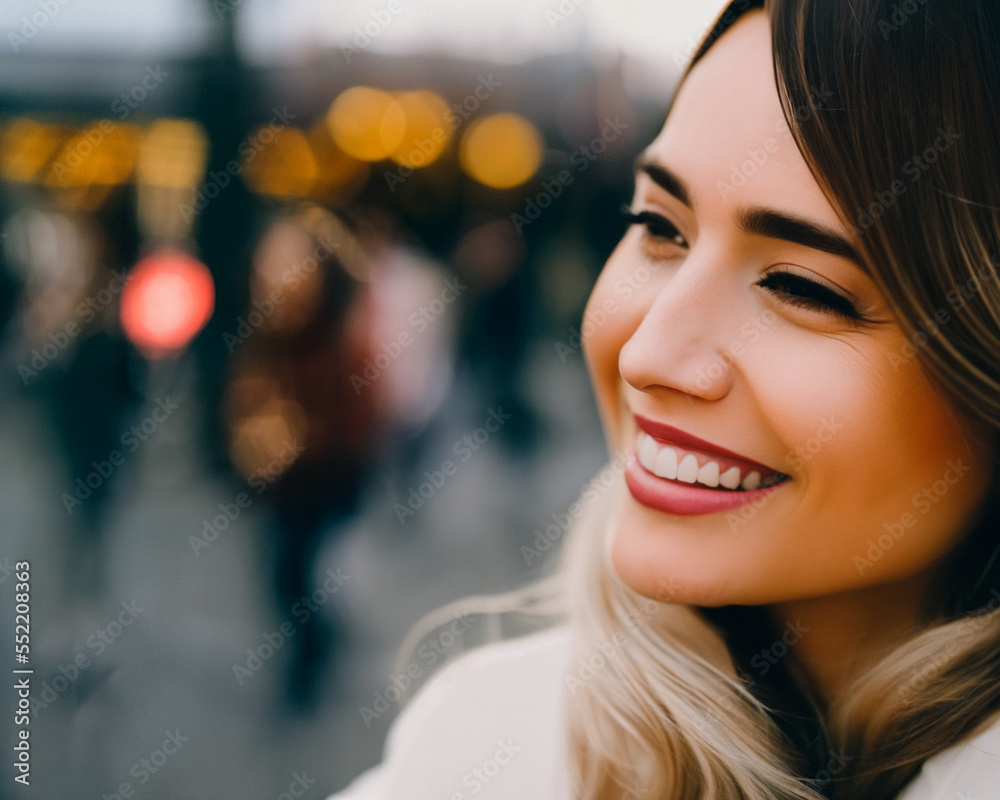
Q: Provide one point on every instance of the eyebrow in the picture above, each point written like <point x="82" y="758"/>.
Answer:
<point x="776" y="225"/>
<point x="664" y="178"/>
<point x="760" y="221"/>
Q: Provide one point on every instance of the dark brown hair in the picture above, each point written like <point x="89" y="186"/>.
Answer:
<point x="906" y="146"/>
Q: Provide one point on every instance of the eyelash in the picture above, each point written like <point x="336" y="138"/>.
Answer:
<point x="810" y="294"/>
<point x="657" y="226"/>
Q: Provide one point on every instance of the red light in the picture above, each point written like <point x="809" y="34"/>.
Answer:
<point x="168" y="298"/>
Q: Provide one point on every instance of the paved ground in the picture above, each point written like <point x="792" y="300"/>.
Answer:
<point x="156" y="704"/>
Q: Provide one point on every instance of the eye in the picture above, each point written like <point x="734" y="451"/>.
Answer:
<point x="802" y="292"/>
<point x="657" y="226"/>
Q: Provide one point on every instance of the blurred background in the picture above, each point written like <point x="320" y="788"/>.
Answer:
<point x="290" y="295"/>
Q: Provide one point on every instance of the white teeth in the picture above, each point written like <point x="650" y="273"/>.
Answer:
<point x="709" y="474"/>
<point x="648" y="451"/>
<point x="666" y="463"/>
<point x="687" y="470"/>
<point x="662" y="461"/>
<point x="730" y="478"/>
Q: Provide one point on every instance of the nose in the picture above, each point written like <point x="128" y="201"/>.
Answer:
<point x="680" y="344"/>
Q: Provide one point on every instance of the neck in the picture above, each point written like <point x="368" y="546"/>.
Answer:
<point x="836" y="637"/>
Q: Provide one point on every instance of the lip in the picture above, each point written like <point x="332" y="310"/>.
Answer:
<point x="669" y="435"/>
<point x="685" y="499"/>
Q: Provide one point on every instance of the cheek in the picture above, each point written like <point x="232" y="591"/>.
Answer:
<point x="932" y="471"/>
<point x="888" y="480"/>
<point x="614" y="310"/>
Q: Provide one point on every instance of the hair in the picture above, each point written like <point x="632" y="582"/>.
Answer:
<point x="671" y="712"/>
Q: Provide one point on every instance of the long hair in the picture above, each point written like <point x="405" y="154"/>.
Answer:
<point x="661" y="701"/>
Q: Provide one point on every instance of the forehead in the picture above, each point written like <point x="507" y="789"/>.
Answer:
<point x="726" y="135"/>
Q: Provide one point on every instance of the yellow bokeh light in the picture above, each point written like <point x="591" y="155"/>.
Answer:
<point x="172" y="154"/>
<point x="366" y="123"/>
<point x="285" y="168"/>
<point x="427" y="131"/>
<point x="339" y="176"/>
<point x="262" y="420"/>
<point x="501" y="151"/>
<point x="27" y="147"/>
<point x="102" y="153"/>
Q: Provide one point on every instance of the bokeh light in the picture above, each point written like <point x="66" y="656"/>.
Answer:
<point x="367" y="123"/>
<point x="27" y="146"/>
<point x="501" y="151"/>
<point x="172" y="154"/>
<point x="285" y="168"/>
<point x="104" y="153"/>
<point x="427" y="130"/>
<point x="169" y="297"/>
<point x="261" y="423"/>
<point x="92" y="161"/>
<point x="339" y="176"/>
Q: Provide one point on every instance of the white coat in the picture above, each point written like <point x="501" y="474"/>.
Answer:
<point x="490" y="726"/>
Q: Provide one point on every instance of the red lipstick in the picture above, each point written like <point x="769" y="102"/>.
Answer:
<point x="668" y="434"/>
<point x="664" y="490"/>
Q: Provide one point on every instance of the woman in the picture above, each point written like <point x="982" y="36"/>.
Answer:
<point x="792" y="592"/>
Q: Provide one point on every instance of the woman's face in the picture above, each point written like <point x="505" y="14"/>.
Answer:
<point x="734" y="312"/>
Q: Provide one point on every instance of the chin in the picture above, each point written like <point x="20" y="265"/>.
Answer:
<point x="656" y="565"/>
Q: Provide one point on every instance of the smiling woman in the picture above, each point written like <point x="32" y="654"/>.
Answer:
<point x="793" y="592"/>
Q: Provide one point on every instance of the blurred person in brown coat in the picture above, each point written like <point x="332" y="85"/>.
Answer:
<point x="299" y="432"/>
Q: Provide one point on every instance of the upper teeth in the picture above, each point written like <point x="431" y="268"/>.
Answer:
<point x="671" y="462"/>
